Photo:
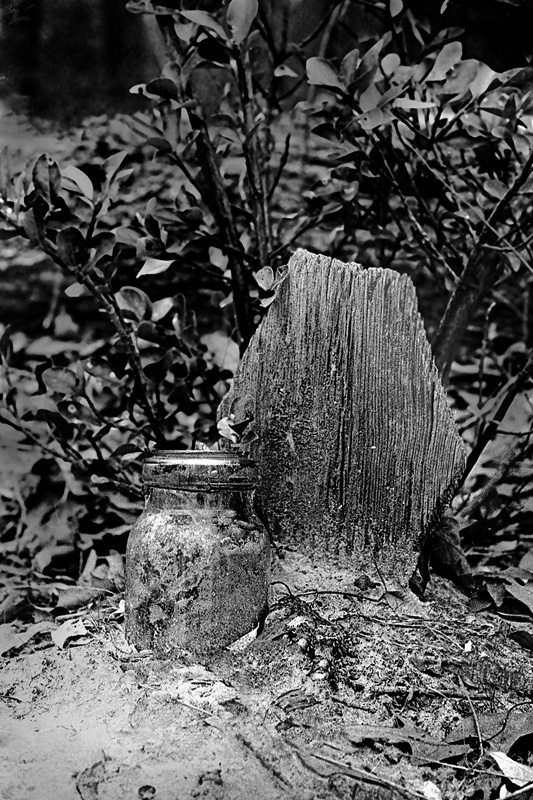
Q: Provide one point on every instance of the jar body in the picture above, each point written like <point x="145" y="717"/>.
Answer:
<point x="197" y="569"/>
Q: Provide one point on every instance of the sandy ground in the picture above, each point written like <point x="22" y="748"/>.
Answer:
<point x="95" y="719"/>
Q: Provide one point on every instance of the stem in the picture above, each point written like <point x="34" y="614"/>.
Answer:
<point x="18" y="426"/>
<point x="92" y="224"/>
<point x="475" y="280"/>
<point x="215" y="194"/>
<point x="223" y="214"/>
<point x="491" y="428"/>
<point x="321" y="25"/>
<point x="295" y="234"/>
<point x="266" y="32"/>
<point x="109" y="304"/>
<point x="254" y="156"/>
<point x="282" y="164"/>
<point x="424" y="239"/>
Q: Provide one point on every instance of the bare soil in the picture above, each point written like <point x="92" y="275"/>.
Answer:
<point x="281" y="716"/>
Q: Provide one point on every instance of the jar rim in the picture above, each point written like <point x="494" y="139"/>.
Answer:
<point x="199" y="470"/>
<point x="199" y="457"/>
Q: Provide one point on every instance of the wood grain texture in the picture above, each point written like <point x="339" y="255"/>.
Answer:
<point x="357" y="447"/>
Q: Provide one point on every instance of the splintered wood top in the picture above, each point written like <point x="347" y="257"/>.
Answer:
<point x="357" y="446"/>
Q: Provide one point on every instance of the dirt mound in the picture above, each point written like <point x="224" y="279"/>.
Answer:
<point x="351" y="690"/>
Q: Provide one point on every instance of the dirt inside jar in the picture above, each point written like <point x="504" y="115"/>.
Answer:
<point x="197" y="580"/>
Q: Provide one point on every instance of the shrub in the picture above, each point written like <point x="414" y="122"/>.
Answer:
<point x="420" y="161"/>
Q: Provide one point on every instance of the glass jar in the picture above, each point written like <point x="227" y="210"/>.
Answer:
<point x="198" y="558"/>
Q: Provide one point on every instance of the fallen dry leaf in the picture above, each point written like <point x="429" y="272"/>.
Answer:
<point x="11" y="640"/>
<point x="527" y="561"/>
<point x="497" y="591"/>
<point x="70" y="629"/>
<point x="294" y="699"/>
<point x="522" y="637"/>
<point x="8" y="638"/>
<point x="502" y="730"/>
<point x="421" y="744"/>
<point x="88" y="781"/>
<point x="71" y="598"/>
<point x="53" y="556"/>
<point x="15" y="606"/>
<point x="431" y="791"/>
<point x="118" y="613"/>
<point x="105" y="573"/>
<point x="90" y="564"/>
<point x="518" y="774"/>
<point x="524" y="594"/>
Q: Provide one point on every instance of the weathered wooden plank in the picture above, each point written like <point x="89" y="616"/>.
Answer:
<point x="358" y="449"/>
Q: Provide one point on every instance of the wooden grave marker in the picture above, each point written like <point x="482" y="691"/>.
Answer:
<point x="357" y="448"/>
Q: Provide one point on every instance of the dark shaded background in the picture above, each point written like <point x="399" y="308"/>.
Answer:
<point x="67" y="59"/>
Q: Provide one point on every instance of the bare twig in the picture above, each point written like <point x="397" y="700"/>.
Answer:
<point x="9" y="698"/>
<point x="479" y="273"/>
<point x="108" y="303"/>
<point x="474" y="715"/>
<point x="262" y="760"/>
<point x="472" y="770"/>
<point x="491" y="428"/>
<point x="282" y="164"/>
<point x="360" y="775"/>
<point x="322" y="24"/>
<point x="520" y="792"/>
<point x="254" y="156"/>
<point x="392" y="691"/>
<point x="215" y="196"/>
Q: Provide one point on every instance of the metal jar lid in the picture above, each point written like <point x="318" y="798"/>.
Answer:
<point x="199" y="470"/>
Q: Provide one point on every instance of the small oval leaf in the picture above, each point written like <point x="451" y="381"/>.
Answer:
<point x="206" y="21"/>
<point x="134" y="300"/>
<point x="46" y="177"/>
<point x="349" y="65"/>
<point x="163" y="145"/>
<point x="283" y="71"/>
<point x="34" y="227"/>
<point x="239" y="16"/>
<point x="321" y="72"/>
<point x="153" y="266"/>
<point x="161" y="308"/>
<point x="62" y="381"/>
<point x="407" y="103"/>
<point x="390" y="63"/>
<point x="81" y="180"/>
<point x="372" y="119"/>
<point x="164" y="88"/>
<point x="126" y="235"/>
<point x="395" y="7"/>
<point x="495" y="188"/>
<point x="367" y="69"/>
<point x="103" y="244"/>
<point x="112" y="164"/>
<point x="445" y="61"/>
<point x="71" y="247"/>
<point x="126" y="450"/>
<point x="75" y="290"/>
<point x="265" y="278"/>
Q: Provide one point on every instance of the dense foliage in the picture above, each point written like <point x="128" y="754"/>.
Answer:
<point x="398" y="154"/>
